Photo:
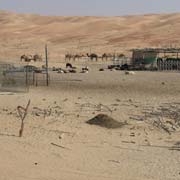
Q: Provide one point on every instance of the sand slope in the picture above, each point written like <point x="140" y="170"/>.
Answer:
<point x="22" y="33"/>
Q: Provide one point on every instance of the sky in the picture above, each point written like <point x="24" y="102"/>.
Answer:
<point x="91" y="7"/>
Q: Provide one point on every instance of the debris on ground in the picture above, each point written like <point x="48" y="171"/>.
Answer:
<point x="95" y="107"/>
<point x="165" y="117"/>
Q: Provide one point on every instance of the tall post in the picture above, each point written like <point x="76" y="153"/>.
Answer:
<point x="26" y="76"/>
<point x="47" y="75"/>
<point x="27" y="71"/>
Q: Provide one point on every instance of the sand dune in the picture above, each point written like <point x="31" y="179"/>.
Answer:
<point x="26" y="33"/>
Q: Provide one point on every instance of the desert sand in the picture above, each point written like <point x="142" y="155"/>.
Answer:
<point x="57" y="143"/>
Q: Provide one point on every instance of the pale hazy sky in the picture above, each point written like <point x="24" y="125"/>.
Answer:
<point x="91" y="7"/>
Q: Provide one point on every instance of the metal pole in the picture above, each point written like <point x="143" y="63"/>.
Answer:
<point x="26" y="76"/>
<point x="47" y="75"/>
<point x="27" y="70"/>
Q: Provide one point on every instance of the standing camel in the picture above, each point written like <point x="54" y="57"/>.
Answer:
<point x="37" y="57"/>
<point x="68" y="57"/>
<point x="29" y="58"/>
<point x="92" y="56"/>
<point x="105" y="56"/>
<point x="26" y="58"/>
<point x="76" y="56"/>
<point x="121" y="55"/>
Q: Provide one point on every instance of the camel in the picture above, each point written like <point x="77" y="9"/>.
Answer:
<point x="68" y="65"/>
<point x="107" y="56"/>
<point x="120" y="55"/>
<point x="37" y="57"/>
<point x="92" y="56"/>
<point x="68" y="57"/>
<point x="85" y="69"/>
<point x="29" y="58"/>
<point x="76" y="56"/>
<point x="104" y="56"/>
<point x="26" y="58"/>
<point x="73" y="56"/>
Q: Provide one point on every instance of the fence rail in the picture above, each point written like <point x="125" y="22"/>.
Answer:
<point x="168" y="65"/>
<point x="18" y="78"/>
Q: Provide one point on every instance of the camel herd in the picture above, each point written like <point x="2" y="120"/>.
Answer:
<point x="29" y="58"/>
<point x="93" y="56"/>
<point x="74" y="57"/>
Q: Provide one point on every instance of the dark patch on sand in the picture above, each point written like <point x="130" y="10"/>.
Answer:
<point x="106" y="121"/>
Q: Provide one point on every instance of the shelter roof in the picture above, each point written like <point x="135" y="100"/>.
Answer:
<point x="157" y="50"/>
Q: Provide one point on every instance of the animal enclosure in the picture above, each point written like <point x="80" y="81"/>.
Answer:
<point x="16" y="78"/>
<point x="160" y="59"/>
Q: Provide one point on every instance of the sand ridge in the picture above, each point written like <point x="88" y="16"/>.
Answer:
<point x="22" y="33"/>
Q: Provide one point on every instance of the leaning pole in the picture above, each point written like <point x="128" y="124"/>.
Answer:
<point x="47" y="74"/>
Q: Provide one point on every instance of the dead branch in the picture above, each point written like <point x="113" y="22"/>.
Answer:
<point x="163" y="147"/>
<point x="22" y="113"/>
<point x="129" y="142"/>
<point x="119" y="147"/>
<point x="59" y="146"/>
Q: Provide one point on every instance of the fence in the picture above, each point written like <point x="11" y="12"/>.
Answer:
<point x="121" y="61"/>
<point x="17" y="78"/>
<point x="40" y="79"/>
<point x="172" y="65"/>
<point x="12" y="79"/>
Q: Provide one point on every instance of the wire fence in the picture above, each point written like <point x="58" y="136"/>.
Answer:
<point x="18" y="78"/>
<point x="13" y="81"/>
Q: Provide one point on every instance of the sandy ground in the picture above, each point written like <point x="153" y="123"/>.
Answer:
<point x="58" y="143"/>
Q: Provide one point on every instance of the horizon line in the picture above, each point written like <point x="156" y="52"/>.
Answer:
<point x="51" y="15"/>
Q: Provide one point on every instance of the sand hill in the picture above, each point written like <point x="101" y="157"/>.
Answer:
<point x="24" y="33"/>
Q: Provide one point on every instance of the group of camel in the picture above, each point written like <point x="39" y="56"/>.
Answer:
<point x="29" y="58"/>
<point x="74" y="57"/>
<point x="93" y="56"/>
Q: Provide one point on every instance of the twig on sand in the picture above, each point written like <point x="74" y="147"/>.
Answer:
<point x="22" y="113"/>
<point x="163" y="147"/>
<point x="129" y="142"/>
<point x="114" y="161"/>
<point x="119" y="147"/>
<point x="174" y="148"/>
<point x="60" y="146"/>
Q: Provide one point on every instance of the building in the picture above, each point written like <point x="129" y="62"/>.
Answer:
<point x="159" y="58"/>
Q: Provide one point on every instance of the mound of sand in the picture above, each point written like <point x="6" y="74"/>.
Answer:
<point x="105" y="121"/>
